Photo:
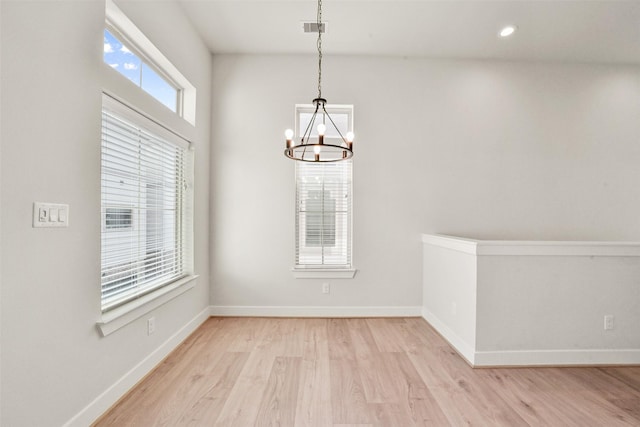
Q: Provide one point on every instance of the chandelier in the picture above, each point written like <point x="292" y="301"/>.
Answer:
<point x="316" y="150"/>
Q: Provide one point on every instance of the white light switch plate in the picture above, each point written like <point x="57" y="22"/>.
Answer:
<point x="50" y="215"/>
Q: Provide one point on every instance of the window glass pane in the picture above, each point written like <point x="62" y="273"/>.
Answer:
<point x="158" y="87"/>
<point x="120" y="58"/>
<point x="341" y="120"/>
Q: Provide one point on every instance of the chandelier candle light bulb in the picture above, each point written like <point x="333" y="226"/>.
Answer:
<point x="288" y="134"/>
<point x="349" y="138"/>
<point x="322" y="128"/>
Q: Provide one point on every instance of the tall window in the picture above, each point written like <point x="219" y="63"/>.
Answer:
<point x="324" y="201"/>
<point x="145" y="174"/>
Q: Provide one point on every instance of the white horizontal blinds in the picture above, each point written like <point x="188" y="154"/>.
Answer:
<point x="145" y="240"/>
<point x="323" y="217"/>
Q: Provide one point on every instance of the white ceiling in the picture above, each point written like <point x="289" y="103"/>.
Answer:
<point x="583" y="31"/>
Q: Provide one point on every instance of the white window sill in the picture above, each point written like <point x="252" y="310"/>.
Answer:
<point x="323" y="273"/>
<point x="119" y="317"/>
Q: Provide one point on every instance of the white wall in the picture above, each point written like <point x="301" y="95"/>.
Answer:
<point x="550" y="309"/>
<point x="449" y="285"/>
<point x="486" y="149"/>
<point x="54" y="362"/>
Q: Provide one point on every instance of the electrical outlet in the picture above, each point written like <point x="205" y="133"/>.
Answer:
<point x="326" y="288"/>
<point x="608" y="322"/>
<point x="454" y="308"/>
<point x="151" y="325"/>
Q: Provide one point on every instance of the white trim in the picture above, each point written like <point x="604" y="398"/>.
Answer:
<point x="463" y="348"/>
<point x="111" y="395"/>
<point x="558" y="357"/>
<point x="459" y="244"/>
<point x="119" y="317"/>
<point x="313" y="311"/>
<point x="137" y="117"/>
<point x="532" y="247"/>
<point x="323" y="273"/>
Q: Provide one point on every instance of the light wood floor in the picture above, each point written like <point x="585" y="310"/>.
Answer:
<point x="361" y="372"/>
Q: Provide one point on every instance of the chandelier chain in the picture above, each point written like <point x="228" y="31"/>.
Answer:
<point x="319" y="48"/>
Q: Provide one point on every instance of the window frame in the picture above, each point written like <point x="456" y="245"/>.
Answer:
<point x="183" y="222"/>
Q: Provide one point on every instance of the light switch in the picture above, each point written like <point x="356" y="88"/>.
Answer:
<point x="50" y="215"/>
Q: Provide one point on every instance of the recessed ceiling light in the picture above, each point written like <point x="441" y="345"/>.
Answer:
<point x="508" y="30"/>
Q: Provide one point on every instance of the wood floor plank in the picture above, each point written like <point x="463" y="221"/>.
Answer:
<point x="281" y="337"/>
<point x="379" y="383"/>
<point x="427" y="412"/>
<point x="340" y="345"/>
<point x="438" y="367"/>
<point x="391" y="415"/>
<point x="348" y="402"/>
<point x="533" y="406"/>
<point x="206" y="408"/>
<point x="281" y="389"/>
<point x="384" y="335"/>
<point x="352" y="425"/>
<point x="630" y="406"/>
<point x="422" y="405"/>
<point x="245" y="335"/>
<point x="424" y="332"/>
<point x="413" y="386"/>
<point x="364" y="373"/>
<point x="629" y="376"/>
<point x="242" y="405"/>
<point x="478" y="393"/>
<point x="313" y="408"/>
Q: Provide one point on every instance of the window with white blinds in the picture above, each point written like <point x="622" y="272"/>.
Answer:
<point x="146" y="214"/>
<point x="323" y="214"/>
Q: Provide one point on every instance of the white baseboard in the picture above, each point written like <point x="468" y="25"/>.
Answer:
<point x="110" y="396"/>
<point x="463" y="348"/>
<point x="584" y="357"/>
<point x="302" y="311"/>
